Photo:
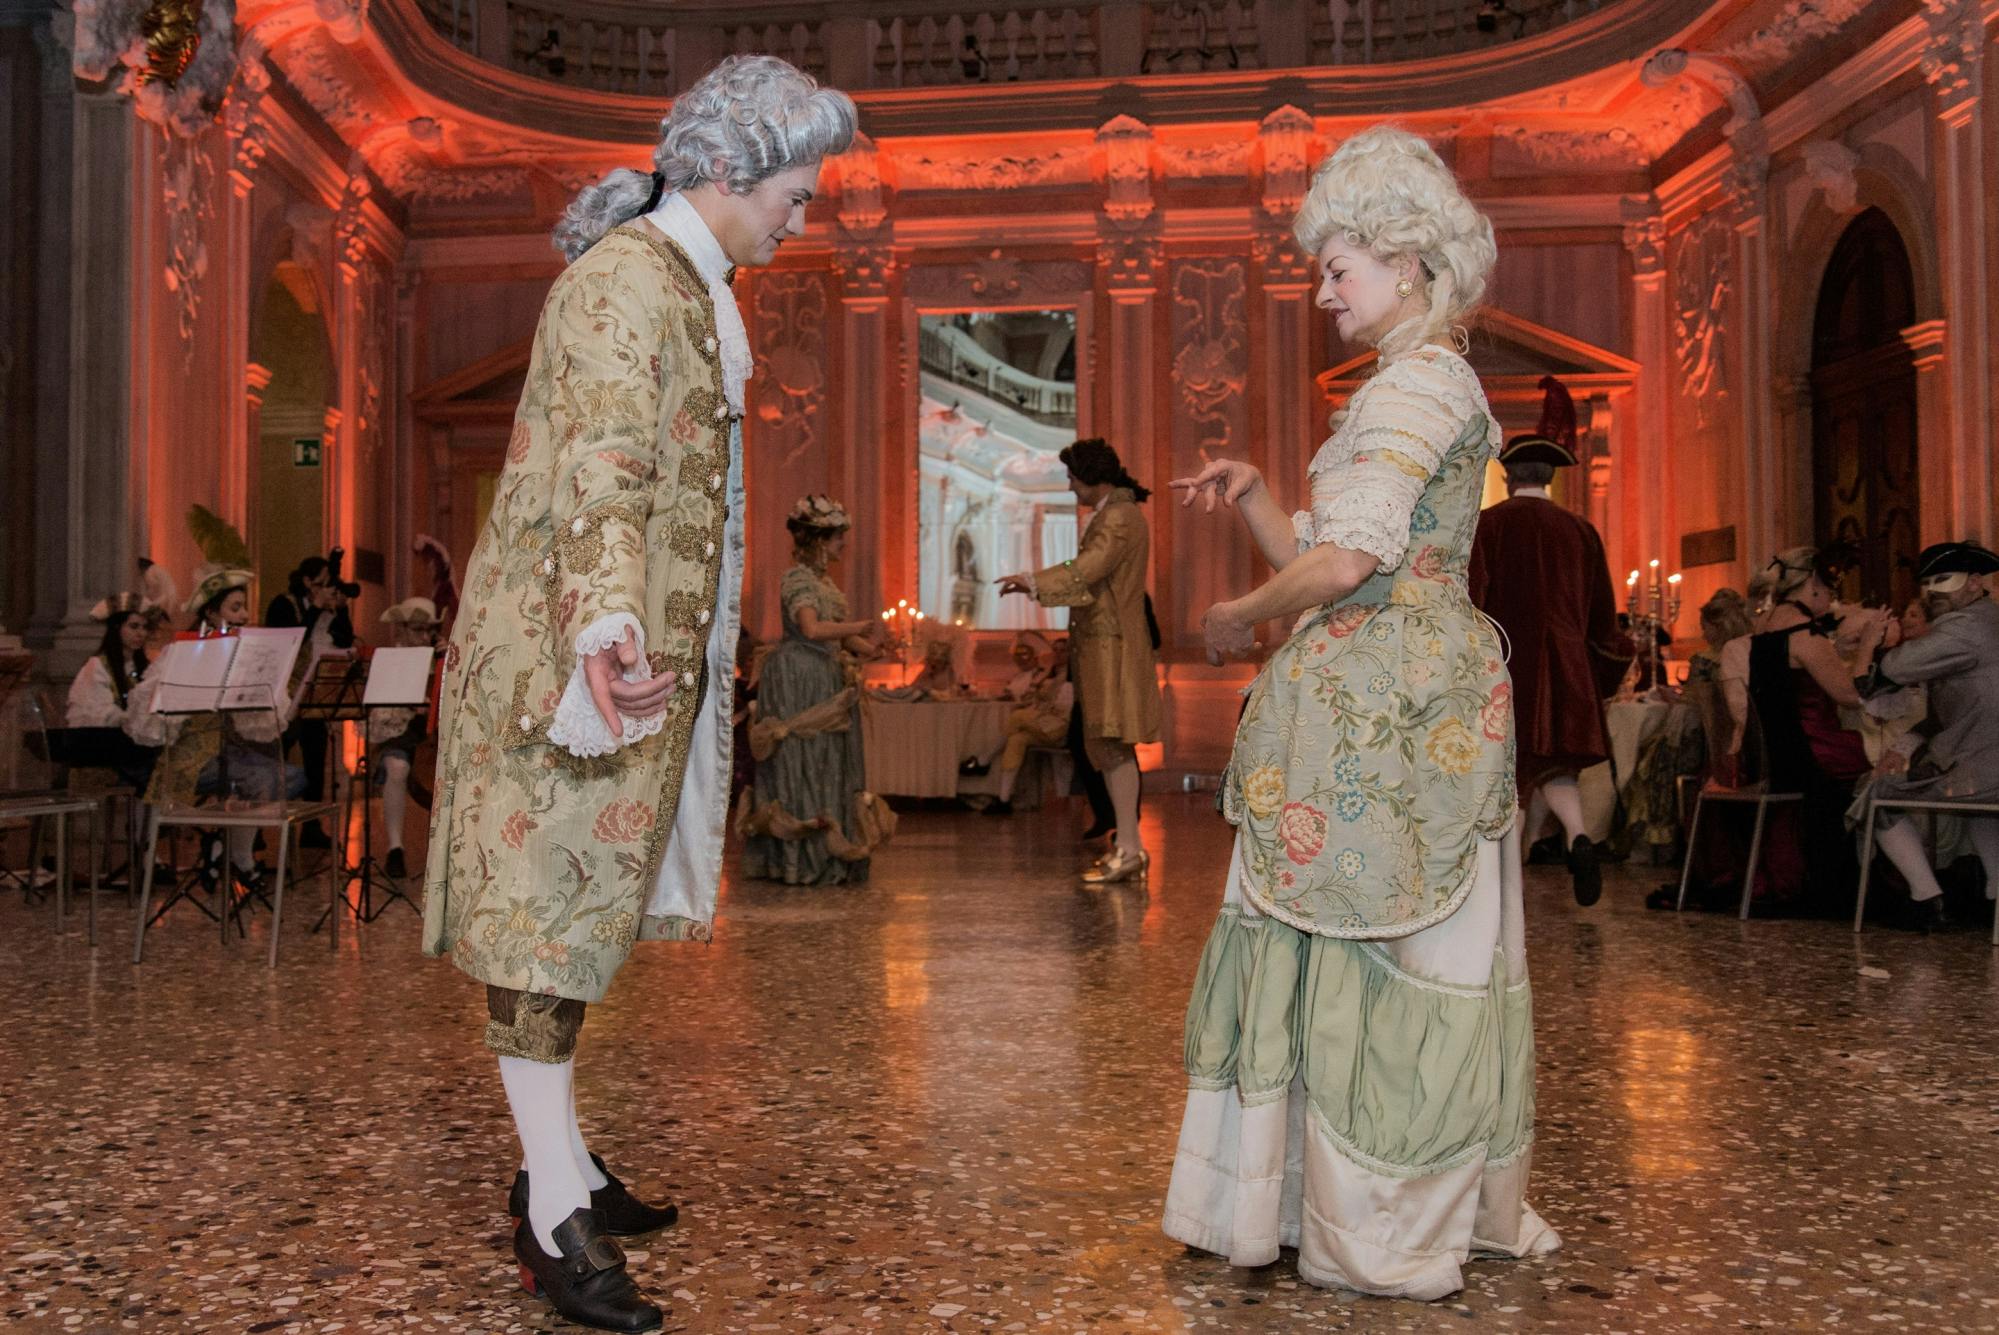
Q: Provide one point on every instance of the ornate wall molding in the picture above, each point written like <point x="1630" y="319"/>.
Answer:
<point x="1210" y="353"/>
<point x="861" y="210"/>
<point x="997" y="278"/>
<point x="1645" y="238"/>
<point x="1284" y="147"/>
<point x="1063" y="166"/>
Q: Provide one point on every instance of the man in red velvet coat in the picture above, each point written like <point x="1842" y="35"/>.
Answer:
<point x="1539" y="571"/>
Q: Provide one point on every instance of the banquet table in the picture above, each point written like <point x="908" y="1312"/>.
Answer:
<point x="1632" y="724"/>
<point x="913" y="748"/>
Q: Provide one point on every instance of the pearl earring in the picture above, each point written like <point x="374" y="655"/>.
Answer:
<point x="1404" y="288"/>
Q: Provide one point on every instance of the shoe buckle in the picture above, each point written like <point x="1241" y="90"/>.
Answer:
<point x="598" y="1255"/>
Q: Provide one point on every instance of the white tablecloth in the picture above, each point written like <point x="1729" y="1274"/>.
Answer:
<point x="913" y="749"/>
<point x="1632" y="723"/>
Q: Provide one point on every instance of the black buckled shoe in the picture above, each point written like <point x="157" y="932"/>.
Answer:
<point x="1584" y="871"/>
<point x="587" y="1283"/>
<point x="624" y="1215"/>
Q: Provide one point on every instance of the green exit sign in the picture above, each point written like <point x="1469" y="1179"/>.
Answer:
<point x="305" y="452"/>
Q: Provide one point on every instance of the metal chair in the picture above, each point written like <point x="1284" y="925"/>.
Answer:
<point x="33" y="789"/>
<point x="225" y="771"/>
<point x="1875" y="804"/>
<point x="1763" y="798"/>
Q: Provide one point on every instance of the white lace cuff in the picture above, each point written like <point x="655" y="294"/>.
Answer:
<point x="578" y="726"/>
<point x="1304" y="530"/>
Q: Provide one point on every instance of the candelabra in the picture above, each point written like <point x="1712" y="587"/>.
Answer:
<point x="1652" y="606"/>
<point x="901" y="623"/>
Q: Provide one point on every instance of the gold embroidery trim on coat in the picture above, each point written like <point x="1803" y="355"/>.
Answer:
<point x="579" y="544"/>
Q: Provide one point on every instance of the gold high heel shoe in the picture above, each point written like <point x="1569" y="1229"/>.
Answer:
<point x="1118" y="867"/>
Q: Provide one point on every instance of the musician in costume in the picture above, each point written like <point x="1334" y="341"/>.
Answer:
<point x="1538" y="569"/>
<point x="584" y="751"/>
<point x="396" y="732"/>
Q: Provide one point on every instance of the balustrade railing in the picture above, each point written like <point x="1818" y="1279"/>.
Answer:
<point x="959" y="358"/>
<point x="619" y="47"/>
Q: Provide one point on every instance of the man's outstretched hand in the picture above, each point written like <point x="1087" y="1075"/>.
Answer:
<point x="604" y="673"/>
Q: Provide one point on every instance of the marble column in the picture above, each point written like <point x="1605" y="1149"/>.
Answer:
<point x="869" y="419"/>
<point x="1641" y="478"/>
<point x="1953" y="65"/>
<point x="341" y="455"/>
<point x="249" y="142"/>
<point x="1747" y="185"/>
<point x="98" y="507"/>
<point x="47" y="599"/>
<point x="1281" y="347"/>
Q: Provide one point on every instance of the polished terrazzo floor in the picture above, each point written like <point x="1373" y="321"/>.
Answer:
<point x="947" y="1100"/>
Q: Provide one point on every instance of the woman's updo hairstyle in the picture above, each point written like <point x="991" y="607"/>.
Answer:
<point x="748" y="119"/>
<point x="1094" y="461"/>
<point x="1388" y="191"/>
<point x="1791" y="570"/>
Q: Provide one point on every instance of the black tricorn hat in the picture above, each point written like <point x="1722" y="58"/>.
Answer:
<point x="1951" y="558"/>
<point x="1531" y="448"/>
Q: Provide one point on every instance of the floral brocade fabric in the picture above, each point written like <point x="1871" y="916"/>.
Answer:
<point x="1377" y="744"/>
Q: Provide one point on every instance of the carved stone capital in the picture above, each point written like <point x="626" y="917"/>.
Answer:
<point x="256" y="379"/>
<point x="1645" y="238"/>
<point x="1130" y="261"/>
<point x="865" y="272"/>
<point x="1279" y="261"/>
<point x="350" y="224"/>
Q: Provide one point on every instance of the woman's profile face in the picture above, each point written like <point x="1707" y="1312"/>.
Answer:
<point x="132" y="632"/>
<point x="1915" y="620"/>
<point x="1358" y="290"/>
<point x="755" y="222"/>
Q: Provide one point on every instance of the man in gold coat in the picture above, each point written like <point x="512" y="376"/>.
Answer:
<point x="584" y="752"/>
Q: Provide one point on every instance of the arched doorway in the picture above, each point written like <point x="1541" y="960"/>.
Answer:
<point x="288" y="520"/>
<point x="1864" y="409"/>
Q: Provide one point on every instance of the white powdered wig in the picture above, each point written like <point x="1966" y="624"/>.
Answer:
<point x="1387" y="190"/>
<point x="748" y="119"/>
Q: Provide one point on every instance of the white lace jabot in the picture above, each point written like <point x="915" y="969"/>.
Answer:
<point x="676" y="218"/>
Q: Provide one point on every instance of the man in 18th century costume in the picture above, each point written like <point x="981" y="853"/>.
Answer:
<point x="1953" y="754"/>
<point x="1538" y="569"/>
<point x="585" y="742"/>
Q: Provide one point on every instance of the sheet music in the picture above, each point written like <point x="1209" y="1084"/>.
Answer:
<point x="262" y="671"/>
<point x="191" y="673"/>
<point x="399" y="677"/>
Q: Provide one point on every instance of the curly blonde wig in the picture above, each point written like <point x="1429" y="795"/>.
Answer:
<point x="1388" y="191"/>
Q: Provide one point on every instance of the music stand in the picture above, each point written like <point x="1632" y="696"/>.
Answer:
<point x="400" y="684"/>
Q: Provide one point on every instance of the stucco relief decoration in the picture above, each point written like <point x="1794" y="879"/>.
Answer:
<point x="1065" y="166"/>
<point x="249" y="137"/>
<point x="187" y="190"/>
<point x="1831" y="165"/>
<point x="350" y="230"/>
<point x="1956" y="42"/>
<point x="175" y="58"/>
<point x="372" y="304"/>
<point x="1701" y="282"/>
<point x="865" y="272"/>
<point x="1209" y="341"/>
<point x="1205" y="161"/>
<point x="1610" y="146"/>
<point x="790" y="384"/>
<point x="1796" y="25"/>
<point x="1127" y="148"/>
<point x="1130" y="260"/>
<point x="994" y="278"/>
<point x="344" y="19"/>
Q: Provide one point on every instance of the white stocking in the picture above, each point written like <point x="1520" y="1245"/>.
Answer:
<point x="538" y="1094"/>
<point x="1985" y="838"/>
<point x="581" y="1152"/>
<point x="1536" y="817"/>
<point x="1008" y="778"/>
<point x="242" y="848"/>
<point x="1905" y="849"/>
<point x="395" y="797"/>
<point x="1565" y="798"/>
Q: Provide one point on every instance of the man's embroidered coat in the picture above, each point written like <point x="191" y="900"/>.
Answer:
<point x="614" y="499"/>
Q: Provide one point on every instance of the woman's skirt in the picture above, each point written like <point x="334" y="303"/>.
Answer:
<point x="811" y="779"/>
<point x="1370" y="1103"/>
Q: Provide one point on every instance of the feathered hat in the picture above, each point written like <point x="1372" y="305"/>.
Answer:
<point x="228" y="563"/>
<point x="1554" y="440"/>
